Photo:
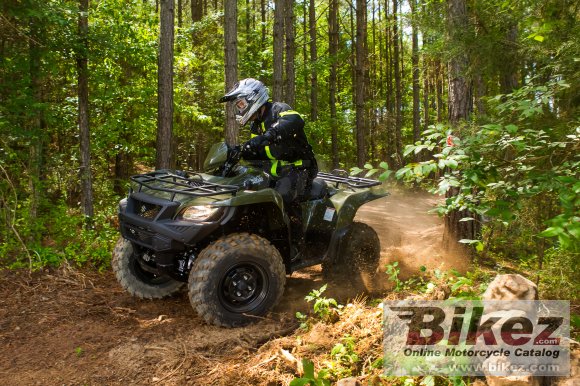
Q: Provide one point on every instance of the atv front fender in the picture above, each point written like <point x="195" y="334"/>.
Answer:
<point x="260" y="197"/>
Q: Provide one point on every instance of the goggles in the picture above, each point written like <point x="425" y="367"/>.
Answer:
<point x="241" y="105"/>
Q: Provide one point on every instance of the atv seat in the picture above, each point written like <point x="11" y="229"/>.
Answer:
<point x="318" y="189"/>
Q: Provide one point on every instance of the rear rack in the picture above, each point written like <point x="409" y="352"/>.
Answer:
<point x="192" y="185"/>
<point x="353" y="182"/>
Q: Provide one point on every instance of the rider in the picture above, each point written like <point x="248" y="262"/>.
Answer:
<point x="277" y="138"/>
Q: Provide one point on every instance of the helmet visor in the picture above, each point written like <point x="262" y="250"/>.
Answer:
<point x="241" y="105"/>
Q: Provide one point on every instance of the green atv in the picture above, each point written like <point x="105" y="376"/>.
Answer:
<point x="225" y="233"/>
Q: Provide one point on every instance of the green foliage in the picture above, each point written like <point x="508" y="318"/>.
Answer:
<point x="324" y="308"/>
<point x="303" y="319"/>
<point x="66" y="237"/>
<point x="558" y="280"/>
<point x="393" y="272"/>
<point x="309" y="378"/>
<point x="79" y="351"/>
<point x="524" y="152"/>
<point x="344" y="359"/>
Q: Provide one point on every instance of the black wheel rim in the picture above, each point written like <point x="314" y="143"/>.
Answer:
<point x="244" y="287"/>
<point x="143" y="271"/>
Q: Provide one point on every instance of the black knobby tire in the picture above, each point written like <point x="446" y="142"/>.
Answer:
<point x="235" y="279"/>
<point x="360" y="252"/>
<point x="137" y="281"/>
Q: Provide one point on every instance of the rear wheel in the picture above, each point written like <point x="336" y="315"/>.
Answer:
<point x="235" y="279"/>
<point x="134" y="276"/>
<point x="360" y="252"/>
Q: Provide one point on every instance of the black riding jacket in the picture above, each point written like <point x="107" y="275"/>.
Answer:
<point x="283" y="142"/>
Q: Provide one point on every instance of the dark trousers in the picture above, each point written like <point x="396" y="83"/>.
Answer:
<point x="294" y="186"/>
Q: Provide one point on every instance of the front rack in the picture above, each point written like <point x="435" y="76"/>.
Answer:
<point x="191" y="184"/>
<point x="353" y="182"/>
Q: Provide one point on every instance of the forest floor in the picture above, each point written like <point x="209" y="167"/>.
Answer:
<point x="77" y="327"/>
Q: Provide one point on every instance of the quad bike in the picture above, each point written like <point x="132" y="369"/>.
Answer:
<point x="226" y="234"/>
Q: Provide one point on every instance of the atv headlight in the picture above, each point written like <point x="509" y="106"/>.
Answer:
<point x="199" y="213"/>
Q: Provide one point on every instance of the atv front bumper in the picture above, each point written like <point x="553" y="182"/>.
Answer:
<point x="150" y="222"/>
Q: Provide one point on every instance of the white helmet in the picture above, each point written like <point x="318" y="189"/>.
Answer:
<point x="248" y="96"/>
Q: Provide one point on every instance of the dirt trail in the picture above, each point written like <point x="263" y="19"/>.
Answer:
<point x="70" y="327"/>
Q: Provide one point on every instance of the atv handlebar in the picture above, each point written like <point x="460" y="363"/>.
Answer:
<point x="234" y="156"/>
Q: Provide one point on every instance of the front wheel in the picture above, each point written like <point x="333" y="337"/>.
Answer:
<point x="235" y="279"/>
<point x="130" y="270"/>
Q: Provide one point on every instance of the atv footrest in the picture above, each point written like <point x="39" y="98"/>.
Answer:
<point x="303" y="263"/>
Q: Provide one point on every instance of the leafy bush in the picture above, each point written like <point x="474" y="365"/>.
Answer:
<point x="325" y="308"/>
<point x="523" y="153"/>
<point x="61" y="234"/>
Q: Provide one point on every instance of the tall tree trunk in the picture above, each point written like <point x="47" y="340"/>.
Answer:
<point x="439" y="84"/>
<point x="165" y="87"/>
<point x="398" y="89"/>
<point x="459" y="110"/>
<point x="263" y="31"/>
<point x="390" y="122"/>
<point x="313" y="61"/>
<point x="458" y="87"/>
<point x="277" y="89"/>
<point x="426" y="88"/>
<point x="480" y="91"/>
<point x="360" y="79"/>
<point x="289" y="31"/>
<point x="380" y="86"/>
<point x="416" y="87"/>
<point x="179" y="13"/>
<point x="83" y="95"/>
<point x="248" y="18"/>
<point x="333" y="51"/>
<point x="305" y="54"/>
<point x="35" y="160"/>
<point x="373" y="81"/>
<point x="231" y="65"/>
<point x="509" y="70"/>
<point x="196" y="10"/>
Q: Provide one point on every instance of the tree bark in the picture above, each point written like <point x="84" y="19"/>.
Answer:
<point x="313" y="60"/>
<point x="289" y="31"/>
<point x="509" y="70"/>
<point x="231" y="66"/>
<point x="459" y="87"/>
<point x="278" y="81"/>
<point x="390" y="121"/>
<point x="426" y="87"/>
<point x="305" y="54"/>
<point x="196" y="10"/>
<point x="372" y="87"/>
<point x="165" y="87"/>
<point x="360" y="81"/>
<point x="439" y="90"/>
<point x="398" y="90"/>
<point x="333" y="51"/>
<point x="459" y="90"/>
<point x="83" y="113"/>
<point x="263" y="30"/>
<point x="416" y="87"/>
<point x="35" y="160"/>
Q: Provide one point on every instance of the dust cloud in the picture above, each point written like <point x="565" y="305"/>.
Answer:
<point x="409" y="234"/>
